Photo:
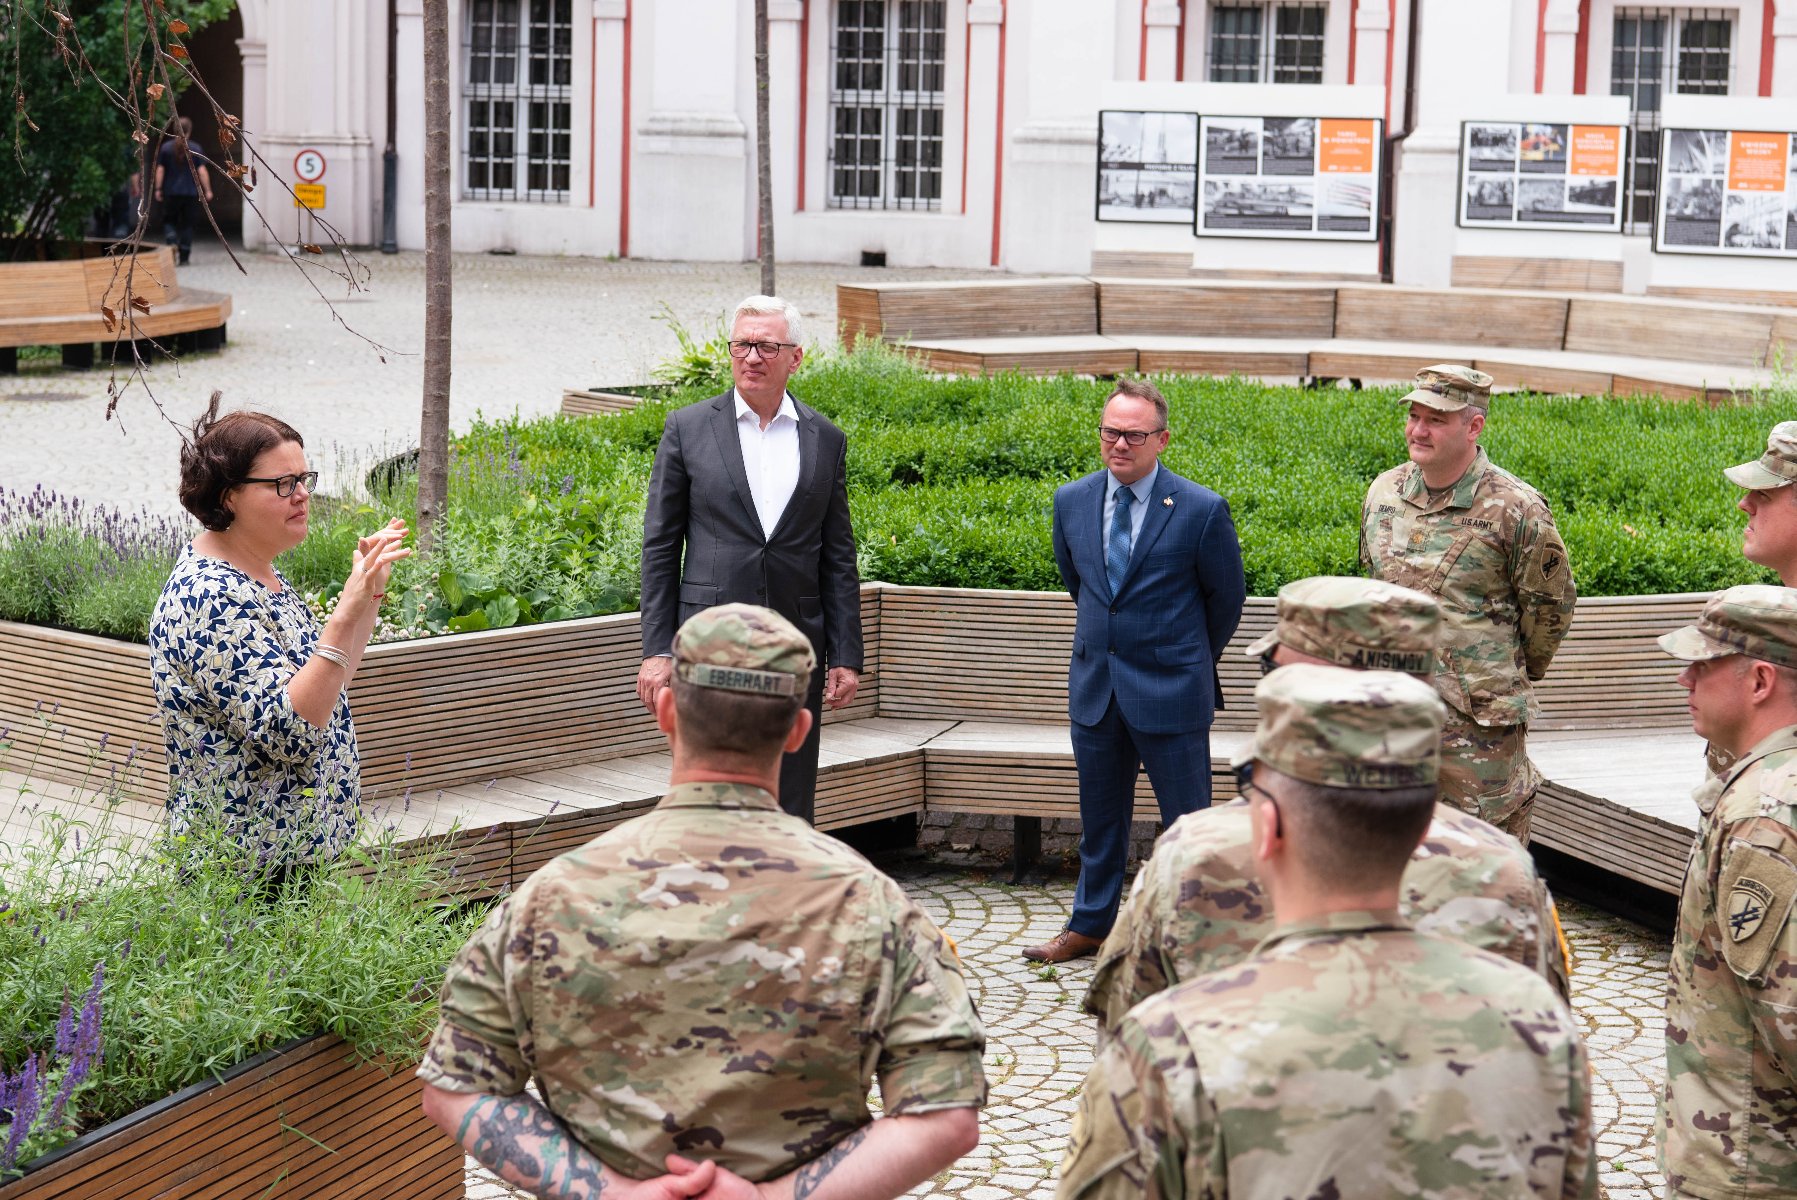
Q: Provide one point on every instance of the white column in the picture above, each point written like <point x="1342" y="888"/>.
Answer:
<point x="985" y="21"/>
<point x="690" y="182"/>
<point x="1161" y="22"/>
<point x="1372" y="25"/>
<point x="609" y="135"/>
<point x="783" y="27"/>
<point x="408" y="132"/>
<point x="254" y="118"/>
<point x="1560" y="37"/>
<point x="1784" y="48"/>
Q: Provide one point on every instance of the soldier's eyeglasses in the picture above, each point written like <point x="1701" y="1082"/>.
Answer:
<point x="1249" y="790"/>
<point x="1134" y="437"/>
<point x="284" y="484"/>
<point x="765" y="349"/>
<point x="1268" y="664"/>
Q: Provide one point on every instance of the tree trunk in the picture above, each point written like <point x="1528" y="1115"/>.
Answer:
<point x="433" y="434"/>
<point x="764" y="154"/>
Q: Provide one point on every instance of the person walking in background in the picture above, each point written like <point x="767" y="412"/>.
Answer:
<point x="1152" y="563"/>
<point x="748" y="504"/>
<point x="1350" y="1055"/>
<point x="1483" y="543"/>
<point x="182" y="183"/>
<point x="704" y="995"/>
<point x="253" y="695"/>
<point x="1198" y="904"/>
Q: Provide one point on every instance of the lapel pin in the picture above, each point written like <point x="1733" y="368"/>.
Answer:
<point x="1168" y="502"/>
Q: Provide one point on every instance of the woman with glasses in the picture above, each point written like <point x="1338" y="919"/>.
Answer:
<point x="252" y="694"/>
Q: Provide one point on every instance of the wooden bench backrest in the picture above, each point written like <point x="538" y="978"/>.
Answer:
<point x="1063" y="307"/>
<point x="1459" y="318"/>
<point x="1728" y="335"/>
<point x="40" y="289"/>
<point x="1181" y="308"/>
<point x="1544" y="274"/>
<point x="152" y="278"/>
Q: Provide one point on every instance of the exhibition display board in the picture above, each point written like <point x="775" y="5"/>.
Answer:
<point x="1727" y="191"/>
<point x="1289" y="177"/>
<point x="1147" y="166"/>
<point x="1542" y="175"/>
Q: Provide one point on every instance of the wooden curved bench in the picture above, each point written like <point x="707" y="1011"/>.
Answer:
<point x="1572" y="342"/>
<point x="60" y="303"/>
<point x="523" y="743"/>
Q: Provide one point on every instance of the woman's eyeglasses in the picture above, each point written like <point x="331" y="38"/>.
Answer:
<point x="284" y="484"/>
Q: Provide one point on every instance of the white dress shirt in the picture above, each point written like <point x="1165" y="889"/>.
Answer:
<point x="770" y="457"/>
<point x="1143" y="491"/>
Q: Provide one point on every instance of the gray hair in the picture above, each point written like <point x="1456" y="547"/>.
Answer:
<point x="772" y="306"/>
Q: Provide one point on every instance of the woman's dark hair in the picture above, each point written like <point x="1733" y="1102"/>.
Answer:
<point x="220" y="453"/>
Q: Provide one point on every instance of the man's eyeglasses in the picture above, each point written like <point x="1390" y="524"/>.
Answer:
<point x="1134" y="437"/>
<point x="765" y="349"/>
<point x="1248" y="789"/>
<point x="284" y="484"/>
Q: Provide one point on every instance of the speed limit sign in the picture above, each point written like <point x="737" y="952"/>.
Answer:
<point x="308" y="166"/>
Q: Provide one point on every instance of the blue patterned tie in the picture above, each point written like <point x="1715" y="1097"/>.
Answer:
<point x="1116" y="559"/>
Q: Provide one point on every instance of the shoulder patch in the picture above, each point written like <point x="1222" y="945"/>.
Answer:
<point x="1754" y="897"/>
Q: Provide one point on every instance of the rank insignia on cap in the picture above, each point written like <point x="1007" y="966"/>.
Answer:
<point x="1748" y="904"/>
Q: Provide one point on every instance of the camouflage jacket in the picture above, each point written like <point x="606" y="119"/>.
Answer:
<point x="1489" y="552"/>
<point x="1730" y="1124"/>
<point x="1197" y="906"/>
<point x="1349" y="1057"/>
<point x="715" y="979"/>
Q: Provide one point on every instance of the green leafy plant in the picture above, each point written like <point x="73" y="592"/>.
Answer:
<point x="194" y="961"/>
<point x="704" y="365"/>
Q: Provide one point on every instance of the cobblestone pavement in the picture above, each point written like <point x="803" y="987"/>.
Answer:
<point x="1039" y="1042"/>
<point x="524" y="329"/>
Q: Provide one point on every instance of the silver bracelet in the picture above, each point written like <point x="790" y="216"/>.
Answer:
<point x="331" y="654"/>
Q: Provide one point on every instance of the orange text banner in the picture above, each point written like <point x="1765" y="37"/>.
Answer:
<point x="1345" y="147"/>
<point x="1596" y="150"/>
<point x="1756" y="161"/>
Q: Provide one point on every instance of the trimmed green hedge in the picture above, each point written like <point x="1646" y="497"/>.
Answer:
<point x="950" y="482"/>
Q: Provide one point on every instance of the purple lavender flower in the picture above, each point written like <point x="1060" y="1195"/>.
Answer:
<point x="28" y="1101"/>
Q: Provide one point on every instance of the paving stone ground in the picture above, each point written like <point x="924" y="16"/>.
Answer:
<point x="524" y="329"/>
<point x="1039" y="1043"/>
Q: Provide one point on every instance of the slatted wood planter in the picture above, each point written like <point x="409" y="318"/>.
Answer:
<point x="58" y="302"/>
<point x="308" y="1120"/>
<point x="1544" y="274"/>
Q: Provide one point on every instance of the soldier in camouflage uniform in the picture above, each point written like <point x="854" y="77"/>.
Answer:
<point x="1730" y="1126"/>
<point x="1350" y="1055"/>
<point x="1197" y="904"/>
<point x="1770" y="503"/>
<point x="714" y="981"/>
<point x="1483" y="543"/>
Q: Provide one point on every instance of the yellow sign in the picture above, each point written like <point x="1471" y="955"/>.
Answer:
<point x="308" y="195"/>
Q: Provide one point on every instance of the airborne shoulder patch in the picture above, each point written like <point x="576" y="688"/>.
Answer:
<point x="1754" y="898"/>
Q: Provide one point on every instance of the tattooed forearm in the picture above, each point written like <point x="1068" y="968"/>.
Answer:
<point x="521" y="1141"/>
<point x="811" y="1176"/>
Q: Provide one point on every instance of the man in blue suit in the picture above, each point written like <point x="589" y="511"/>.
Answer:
<point x="1154" y="567"/>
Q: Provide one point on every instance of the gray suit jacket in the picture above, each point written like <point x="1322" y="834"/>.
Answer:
<point x="699" y="501"/>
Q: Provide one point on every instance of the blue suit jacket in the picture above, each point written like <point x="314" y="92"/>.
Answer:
<point x="1155" y="643"/>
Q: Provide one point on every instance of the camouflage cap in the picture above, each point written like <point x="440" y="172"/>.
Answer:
<point x="1364" y="624"/>
<point x="1776" y="468"/>
<point x="1450" y="387"/>
<point x="1341" y="728"/>
<point x="1755" y="619"/>
<point x="743" y="648"/>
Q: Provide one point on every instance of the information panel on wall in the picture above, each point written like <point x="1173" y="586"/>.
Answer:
<point x="1727" y="191"/>
<point x="1542" y="175"/>
<point x="1290" y="177"/>
<point x="1147" y="166"/>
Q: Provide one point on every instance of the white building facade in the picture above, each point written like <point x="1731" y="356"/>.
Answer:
<point x="957" y="133"/>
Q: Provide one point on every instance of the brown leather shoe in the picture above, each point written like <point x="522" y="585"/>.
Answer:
<point x="1063" y="947"/>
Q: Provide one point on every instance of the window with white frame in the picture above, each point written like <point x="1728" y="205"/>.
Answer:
<point x="889" y="62"/>
<point x="517" y="102"/>
<point x="1266" y="43"/>
<point x="1655" y="51"/>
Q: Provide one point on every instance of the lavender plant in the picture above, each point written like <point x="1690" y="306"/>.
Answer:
<point x="189" y="957"/>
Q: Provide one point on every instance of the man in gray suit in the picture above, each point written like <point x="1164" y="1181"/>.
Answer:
<point x="752" y="485"/>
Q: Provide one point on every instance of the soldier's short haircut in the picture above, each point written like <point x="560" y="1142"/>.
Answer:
<point x="741" y="725"/>
<point x="1355" y="838"/>
<point x="1141" y="389"/>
